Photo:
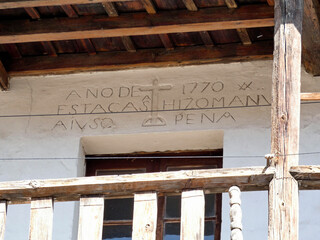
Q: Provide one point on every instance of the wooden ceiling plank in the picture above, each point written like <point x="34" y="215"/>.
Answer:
<point x="32" y="12"/>
<point x="128" y="44"/>
<point x="68" y="9"/>
<point x="110" y="9"/>
<point x="13" y="50"/>
<point x="68" y="63"/>
<point x="166" y="41"/>
<point x="4" y="79"/>
<point x="8" y="4"/>
<point x="206" y="39"/>
<point x="190" y="5"/>
<point x="244" y="36"/>
<point x="250" y="16"/>
<point x="149" y="6"/>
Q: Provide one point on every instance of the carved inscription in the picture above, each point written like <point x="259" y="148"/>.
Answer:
<point x="161" y="103"/>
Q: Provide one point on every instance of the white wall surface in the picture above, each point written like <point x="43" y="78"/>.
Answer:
<point x="190" y="104"/>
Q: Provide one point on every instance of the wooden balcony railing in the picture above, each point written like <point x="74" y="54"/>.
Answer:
<point x="145" y="187"/>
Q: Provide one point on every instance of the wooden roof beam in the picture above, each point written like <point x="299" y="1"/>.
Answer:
<point x="210" y="19"/>
<point x="8" y="4"/>
<point x="4" y="80"/>
<point x="68" y="63"/>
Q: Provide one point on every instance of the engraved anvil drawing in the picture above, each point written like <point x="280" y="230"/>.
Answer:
<point x="154" y="119"/>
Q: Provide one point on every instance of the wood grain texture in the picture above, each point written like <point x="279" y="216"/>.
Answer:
<point x="283" y="192"/>
<point x="192" y="215"/>
<point x="307" y="176"/>
<point x="4" y="79"/>
<point x="142" y="58"/>
<point x="70" y="12"/>
<point x="166" y="41"/>
<point x="310" y="96"/>
<point x="149" y="6"/>
<point x="270" y="2"/>
<point x="311" y="37"/>
<point x="49" y="49"/>
<point x="306" y="172"/>
<point x="235" y="213"/>
<point x="110" y="9"/>
<point x="206" y="39"/>
<point x="244" y="36"/>
<point x="41" y="219"/>
<point x="13" y="50"/>
<point x="190" y="5"/>
<point x="210" y="19"/>
<point x="7" y="4"/>
<point x="215" y="180"/>
<point x="3" y="217"/>
<point x="32" y="12"/>
<point x="128" y="44"/>
<point x="231" y="3"/>
<point x="91" y="218"/>
<point x="145" y="216"/>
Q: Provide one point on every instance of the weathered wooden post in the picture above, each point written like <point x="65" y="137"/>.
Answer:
<point x="283" y="191"/>
<point x="235" y="213"/>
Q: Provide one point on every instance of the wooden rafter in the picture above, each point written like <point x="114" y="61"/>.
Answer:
<point x="13" y="50"/>
<point x="242" y="32"/>
<point x="215" y="180"/>
<point x="4" y="81"/>
<point x="7" y="4"/>
<point x="47" y="46"/>
<point x="110" y="9"/>
<point x="149" y="6"/>
<point x="144" y="58"/>
<point x="68" y="9"/>
<point x="136" y="24"/>
<point x="205" y="36"/>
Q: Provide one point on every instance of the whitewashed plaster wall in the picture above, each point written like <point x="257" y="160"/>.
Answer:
<point x="73" y="113"/>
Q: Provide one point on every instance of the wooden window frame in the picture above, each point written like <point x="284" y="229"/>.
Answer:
<point x="131" y="161"/>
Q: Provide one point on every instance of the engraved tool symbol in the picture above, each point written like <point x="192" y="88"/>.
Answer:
<point x="154" y="119"/>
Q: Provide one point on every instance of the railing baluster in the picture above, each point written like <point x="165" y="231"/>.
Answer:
<point x="91" y="218"/>
<point x="3" y="217"/>
<point x="145" y="216"/>
<point x="235" y="213"/>
<point x="41" y="219"/>
<point x="192" y="215"/>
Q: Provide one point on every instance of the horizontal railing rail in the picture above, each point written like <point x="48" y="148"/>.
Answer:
<point x="69" y="189"/>
<point x="145" y="188"/>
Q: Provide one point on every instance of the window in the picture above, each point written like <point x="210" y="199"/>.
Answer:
<point x="118" y="213"/>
